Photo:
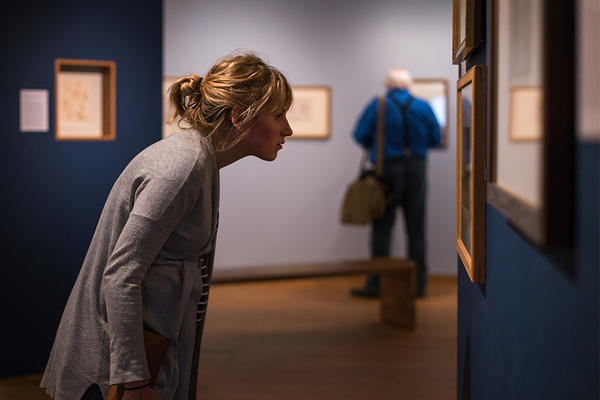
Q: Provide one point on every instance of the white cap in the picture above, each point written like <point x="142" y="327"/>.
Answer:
<point x="398" y="78"/>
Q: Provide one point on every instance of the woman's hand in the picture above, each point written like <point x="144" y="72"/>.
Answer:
<point x="139" y="390"/>
<point x="140" y="394"/>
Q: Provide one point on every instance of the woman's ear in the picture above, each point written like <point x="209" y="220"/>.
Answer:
<point x="235" y="118"/>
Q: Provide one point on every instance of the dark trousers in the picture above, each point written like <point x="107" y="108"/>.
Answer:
<point x="406" y="177"/>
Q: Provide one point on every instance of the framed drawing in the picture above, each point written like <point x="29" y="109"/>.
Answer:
<point x="310" y="113"/>
<point x="471" y="104"/>
<point x="467" y="27"/>
<point x="85" y="103"/>
<point x="532" y="118"/>
<point x="588" y="59"/>
<point x="525" y="113"/>
<point x="435" y="92"/>
<point x="167" y="109"/>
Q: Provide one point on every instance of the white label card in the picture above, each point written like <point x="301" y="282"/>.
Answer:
<point x="33" y="110"/>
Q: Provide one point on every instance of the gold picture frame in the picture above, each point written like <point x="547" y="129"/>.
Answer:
<point x="467" y="28"/>
<point x="310" y="113"/>
<point x="85" y="100"/>
<point x="471" y="103"/>
<point x="531" y="182"/>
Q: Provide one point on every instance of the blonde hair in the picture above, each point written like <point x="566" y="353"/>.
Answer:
<point x="239" y="80"/>
<point x="398" y="78"/>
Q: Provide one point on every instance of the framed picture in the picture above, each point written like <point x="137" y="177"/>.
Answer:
<point x="588" y="59"/>
<point x="310" y="113"/>
<point x="470" y="171"/>
<point x="167" y="109"/>
<point x="467" y="27"/>
<point x="526" y="113"/>
<point x="435" y="92"/>
<point x="532" y="118"/>
<point x="85" y="99"/>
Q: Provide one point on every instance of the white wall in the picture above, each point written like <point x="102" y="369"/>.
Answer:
<point x="287" y="211"/>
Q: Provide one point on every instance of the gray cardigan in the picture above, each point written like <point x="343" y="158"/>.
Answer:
<point x="141" y="270"/>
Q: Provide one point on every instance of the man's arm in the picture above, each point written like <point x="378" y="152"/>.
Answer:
<point x="365" y="127"/>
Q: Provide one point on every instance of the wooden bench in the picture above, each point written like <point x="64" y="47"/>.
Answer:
<point x="397" y="285"/>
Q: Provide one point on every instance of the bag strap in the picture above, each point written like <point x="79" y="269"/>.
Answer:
<point x="380" y="136"/>
<point x="363" y="162"/>
<point x="403" y="108"/>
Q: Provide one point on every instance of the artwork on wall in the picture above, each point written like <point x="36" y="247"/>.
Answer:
<point x="85" y="99"/>
<point x="525" y="113"/>
<point x="470" y="171"/>
<point x="467" y="27"/>
<point x="435" y="92"/>
<point x="310" y="113"/>
<point x="532" y="120"/>
<point x="167" y="109"/>
<point x="588" y="59"/>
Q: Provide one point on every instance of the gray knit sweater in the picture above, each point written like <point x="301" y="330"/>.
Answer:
<point x="141" y="270"/>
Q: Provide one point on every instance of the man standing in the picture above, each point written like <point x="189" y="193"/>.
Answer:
<point x="410" y="128"/>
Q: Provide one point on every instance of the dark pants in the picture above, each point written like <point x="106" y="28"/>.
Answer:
<point x="406" y="177"/>
<point x="92" y="393"/>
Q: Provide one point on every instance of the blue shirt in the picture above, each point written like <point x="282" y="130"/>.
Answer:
<point x="423" y="127"/>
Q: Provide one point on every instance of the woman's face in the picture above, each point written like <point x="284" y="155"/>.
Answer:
<point x="267" y="135"/>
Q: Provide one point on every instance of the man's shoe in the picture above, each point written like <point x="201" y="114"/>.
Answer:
<point x="365" y="292"/>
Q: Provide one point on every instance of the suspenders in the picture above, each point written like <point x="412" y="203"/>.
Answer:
<point x="405" y="133"/>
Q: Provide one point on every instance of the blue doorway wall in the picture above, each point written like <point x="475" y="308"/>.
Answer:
<point x="53" y="192"/>
<point x="531" y="331"/>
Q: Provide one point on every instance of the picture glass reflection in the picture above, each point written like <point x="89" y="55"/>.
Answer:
<point x="466" y="165"/>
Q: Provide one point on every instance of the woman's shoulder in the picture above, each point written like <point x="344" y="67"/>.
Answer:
<point x="189" y="144"/>
<point x="177" y="158"/>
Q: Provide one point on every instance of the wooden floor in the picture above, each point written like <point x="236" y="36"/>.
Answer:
<point x="309" y="339"/>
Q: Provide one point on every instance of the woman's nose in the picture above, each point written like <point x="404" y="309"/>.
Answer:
<point x="287" y="129"/>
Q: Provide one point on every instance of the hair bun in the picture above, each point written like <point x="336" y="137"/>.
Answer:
<point x="196" y="82"/>
<point x="189" y="85"/>
<point x="185" y="92"/>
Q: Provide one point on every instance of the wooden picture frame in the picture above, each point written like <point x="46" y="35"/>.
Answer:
<point x="435" y="92"/>
<point x="467" y="28"/>
<point x="471" y="104"/>
<point x="310" y="113"/>
<point x="85" y="99"/>
<point x="532" y="183"/>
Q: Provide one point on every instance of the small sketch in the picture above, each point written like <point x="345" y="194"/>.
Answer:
<point x="75" y="99"/>
<point x="526" y="113"/>
<point x="309" y="114"/>
<point x="301" y="110"/>
<point x="80" y="108"/>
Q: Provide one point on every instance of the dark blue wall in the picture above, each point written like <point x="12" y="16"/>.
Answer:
<point x="532" y="333"/>
<point x="532" y="330"/>
<point x="53" y="192"/>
